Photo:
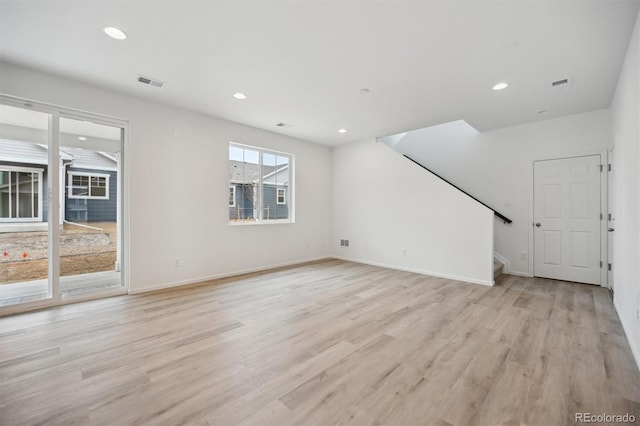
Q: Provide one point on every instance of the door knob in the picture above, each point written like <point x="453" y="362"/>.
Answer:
<point x="610" y="229"/>
<point x="538" y="224"/>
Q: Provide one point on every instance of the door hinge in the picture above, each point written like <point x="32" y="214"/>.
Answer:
<point x="600" y="216"/>
<point x="609" y="266"/>
<point x="609" y="167"/>
<point x="601" y="263"/>
<point x="601" y="167"/>
<point x="609" y="216"/>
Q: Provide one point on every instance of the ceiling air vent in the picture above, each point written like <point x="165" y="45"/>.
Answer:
<point x="560" y="82"/>
<point x="150" y="81"/>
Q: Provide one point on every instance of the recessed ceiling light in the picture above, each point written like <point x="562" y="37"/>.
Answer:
<point x="82" y="138"/>
<point x="115" y="33"/>
<point x="342" y="131"/>
<point x="500" y="86"/>
<point x="240" y="96"/>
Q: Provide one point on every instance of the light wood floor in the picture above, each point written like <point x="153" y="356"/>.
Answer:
<point x="331" y="342"/>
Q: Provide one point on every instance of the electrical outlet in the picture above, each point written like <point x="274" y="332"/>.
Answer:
<point x="176" y="262"/>
<point x="404" y="251"/>
<point x="523" y="256"/>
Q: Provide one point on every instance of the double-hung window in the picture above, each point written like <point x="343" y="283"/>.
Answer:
<point x="260" y="185"/>
<point x="89" y="185"/>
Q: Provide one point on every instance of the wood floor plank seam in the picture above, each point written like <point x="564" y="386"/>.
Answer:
<point x="330" y="342"/>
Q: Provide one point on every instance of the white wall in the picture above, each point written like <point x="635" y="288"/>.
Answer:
<point x="625" y="112"/>
<point x="179" y="186"/>
<point x="497" y="166"/>
<point x="383" y="204"/>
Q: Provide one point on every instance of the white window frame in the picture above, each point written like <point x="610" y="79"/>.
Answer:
<point x="284" y="196"/>
<point x="259" y="211"/>
<point x="89" y="175"/>
<point x="232" y="195"/>
<point x="40" y="194"/>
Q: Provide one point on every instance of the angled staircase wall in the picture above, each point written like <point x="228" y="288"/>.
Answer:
<point x="396" y="215"/>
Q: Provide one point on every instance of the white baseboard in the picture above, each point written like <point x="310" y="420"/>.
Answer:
<point x="224" y="275"/>
<point x="520" y="274"/>
<point x="634" y="350"/>
<point x="299" y="262"/>
<point x="419" y="271"/>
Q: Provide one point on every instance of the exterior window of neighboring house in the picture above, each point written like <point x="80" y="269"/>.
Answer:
<point x="20" y="194"/>
<point x="262" y="181"/>
<point x="232" y="196"/>
<point x="88" y="185"/>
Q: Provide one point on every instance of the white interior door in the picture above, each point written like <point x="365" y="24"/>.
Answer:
<point x="567" y="219"/>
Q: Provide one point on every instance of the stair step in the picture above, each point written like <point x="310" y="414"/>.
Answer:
<point x="497" y="269"/>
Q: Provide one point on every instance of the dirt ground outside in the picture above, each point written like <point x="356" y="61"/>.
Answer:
<point x="23" y="255"/>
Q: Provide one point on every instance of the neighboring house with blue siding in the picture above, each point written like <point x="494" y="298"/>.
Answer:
<point x="91" y="186"/>
<point x="90" y="180"/>
<point x="243" y="191"/>
<point x="275" y="187"/>
<point x="23" y="183"/>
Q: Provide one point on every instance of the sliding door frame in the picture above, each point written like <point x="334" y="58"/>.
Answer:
<point x="52" y="193"/>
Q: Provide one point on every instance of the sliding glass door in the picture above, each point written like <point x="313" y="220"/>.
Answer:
<point x="25" y="137"/>
<point x="61" y="203"/>
<point x="90" y="198"/>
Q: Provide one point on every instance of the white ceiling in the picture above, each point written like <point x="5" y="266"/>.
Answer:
<point x="304" y="62"/>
